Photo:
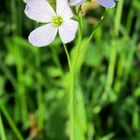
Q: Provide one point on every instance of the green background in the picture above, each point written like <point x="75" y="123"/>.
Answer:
<point x="34" y="82"/>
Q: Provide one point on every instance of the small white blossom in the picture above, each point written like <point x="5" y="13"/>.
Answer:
<point x="107" y="3"/>
<point x="104" y="3"/>
<point x="60" y="21"/>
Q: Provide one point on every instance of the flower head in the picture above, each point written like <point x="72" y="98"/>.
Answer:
<point x="104" y="3"/>
<point x="107" y="3"/>
<point x="60" y="21"/>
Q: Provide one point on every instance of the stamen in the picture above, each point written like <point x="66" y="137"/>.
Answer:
<point x="57" y="21"/>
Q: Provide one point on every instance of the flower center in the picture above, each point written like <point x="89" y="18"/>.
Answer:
<point x="57" y="21"/>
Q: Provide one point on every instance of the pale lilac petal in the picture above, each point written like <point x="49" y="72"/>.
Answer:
<point x="68" y="30"/>
<point x="39" y="10"/>
<point x="43" y="36"/>
<point x="107" y="3"/>
<point x="76" y="2"/>
<point x="63" y="9"/>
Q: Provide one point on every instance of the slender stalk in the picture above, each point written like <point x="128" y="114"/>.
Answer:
<point x="71" y="95"/>
<point x="72" y="68"/>
<point x="118" y="17"/>
<point x="2" y="131"/>
<point x="20" y="85"/>
<point x="96" y="27"/>
<point x="94" y="31"/>
<point x="113" y="52"/>
<point x="110" y="73"/>
<point x="19" y="66"/>
<point x="40" y="104"/>
<point x="10" y="121"/>
<point x="68" y="56"/>
<point x="14" y="17"/>
<point x="92" y="34"/>
<point x="72" y="104"/>
<point x="14" y="27"/>
<point x="39" y="93"/>
<point x="72" y="74"/>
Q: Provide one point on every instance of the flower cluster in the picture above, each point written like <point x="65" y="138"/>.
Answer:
<point x="56" y="21"/>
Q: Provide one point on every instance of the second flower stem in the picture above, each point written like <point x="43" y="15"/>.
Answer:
<point x="71" y="94"/>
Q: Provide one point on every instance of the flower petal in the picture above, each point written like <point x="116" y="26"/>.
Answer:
<point x="107" y="3"/>
<point x="39" y="10"/>
<point x="76" y="2"/>
<point x="68" y="30"/>
<point x="43" y="36"/>
<point x="63" y="9"/>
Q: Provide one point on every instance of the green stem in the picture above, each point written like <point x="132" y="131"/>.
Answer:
<point x="14" y="17"/>
<point x="118" y="17"/>
<point x="68" y="56"/>
<point x="94" y="31"/>
<point x="113" y="52"/>
<point x="39" y="93"/>
<point x="72" y="69"/>
<point x="10" y="121"/>
<point x="2" y="131"/>
<point x="71" y="95"/>
<point x="72" y="105"/>
<point x="72" y="76"/>
<point x="20" y="85"/>
<point x="111" y="67"/>
<point x="19" y="66"/>
<point x="96" y="27"/>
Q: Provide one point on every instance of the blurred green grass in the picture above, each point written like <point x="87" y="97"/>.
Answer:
<point x="34" y="82"/>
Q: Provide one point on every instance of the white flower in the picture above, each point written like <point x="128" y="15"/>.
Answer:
<point x="59" y="21"/>
<point x="107" y="3"/>
<point x="104" y="3"/>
